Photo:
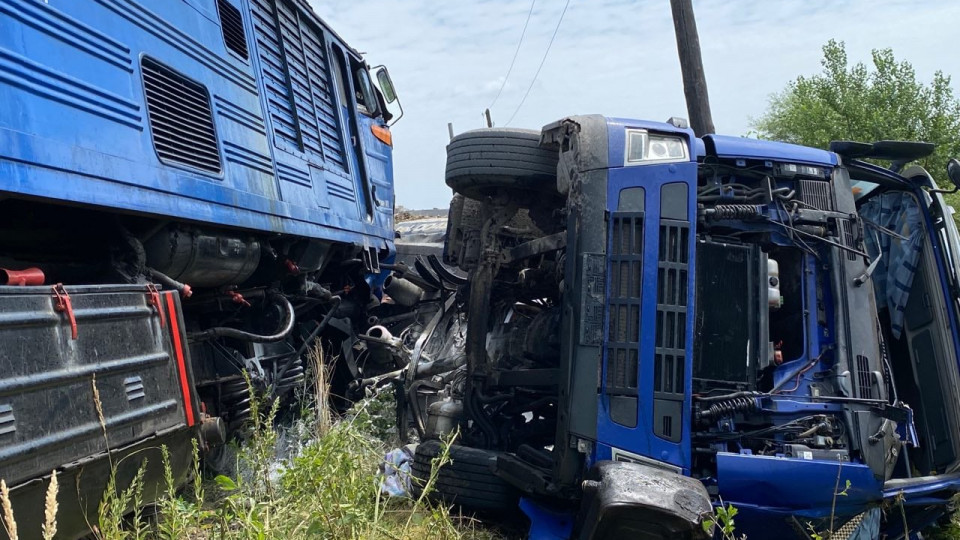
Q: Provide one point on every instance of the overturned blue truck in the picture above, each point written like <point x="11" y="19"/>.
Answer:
<point x="654" y="324"/>
<point x="189" y="190"/>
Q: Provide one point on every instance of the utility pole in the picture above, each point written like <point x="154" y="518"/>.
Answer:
<point x="691" y="66"/>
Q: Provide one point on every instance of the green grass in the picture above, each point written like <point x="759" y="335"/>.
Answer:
<point x="327" y="487"/>
<point x="330" y="489"/>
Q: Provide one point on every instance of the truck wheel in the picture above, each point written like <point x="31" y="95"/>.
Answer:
<point x="485" y="162"/>
<point x="466" y="480"/>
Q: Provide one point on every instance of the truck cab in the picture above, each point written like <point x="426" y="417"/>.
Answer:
<point x="775" y="324"/>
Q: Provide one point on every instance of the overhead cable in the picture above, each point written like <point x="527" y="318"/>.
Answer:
<point x="542" y="61"/>
<point x="515" y="53"/>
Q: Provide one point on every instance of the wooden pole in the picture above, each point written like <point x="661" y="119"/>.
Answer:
<point x="691" y="66"/>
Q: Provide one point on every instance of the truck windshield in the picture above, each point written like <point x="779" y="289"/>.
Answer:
<point x="862" y="188"/>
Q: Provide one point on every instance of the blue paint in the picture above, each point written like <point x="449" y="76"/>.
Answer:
<point x="641" y="439"/>
<point x="545" y="523"/>
<point x="769" y="491"/>
<point x="773" y="482"/>
<point x="74" y="126"/>
<point x="742" y="147"/>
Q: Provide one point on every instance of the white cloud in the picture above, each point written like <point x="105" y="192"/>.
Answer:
<point x="615" y="57"/>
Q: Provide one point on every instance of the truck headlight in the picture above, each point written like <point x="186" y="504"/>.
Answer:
<point x="644" y="147"/>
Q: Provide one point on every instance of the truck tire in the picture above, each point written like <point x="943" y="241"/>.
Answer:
<point x="483" y="162"/>
<point x="466" y="480"/>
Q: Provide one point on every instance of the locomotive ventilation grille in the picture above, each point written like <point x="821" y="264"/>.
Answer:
<point x="231" y="22"/>
<point x="180" y="118"/>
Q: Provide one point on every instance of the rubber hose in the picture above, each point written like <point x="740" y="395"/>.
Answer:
<point x="335" y="303"/>
<point x="233" y="333"/>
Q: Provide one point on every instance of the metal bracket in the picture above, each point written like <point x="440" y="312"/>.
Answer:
<point x="153" y="299"/>
<point x="64" y="305"/>
<point x="371" y="260"/>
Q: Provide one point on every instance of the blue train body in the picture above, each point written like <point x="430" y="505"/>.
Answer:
<point x="238" y="113"/>
<point x="191" y="192"/>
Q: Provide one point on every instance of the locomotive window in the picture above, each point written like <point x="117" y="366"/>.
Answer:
<point x="338" y="74"/>
<point x="366" y="98"/>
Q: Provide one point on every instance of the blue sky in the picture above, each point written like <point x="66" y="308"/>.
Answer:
<point x="614" y="57"/>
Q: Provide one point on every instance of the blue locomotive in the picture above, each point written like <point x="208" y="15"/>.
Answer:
<point x="189" y="189"/>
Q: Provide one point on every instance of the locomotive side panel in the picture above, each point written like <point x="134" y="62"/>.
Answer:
<point x="176" y="109"/>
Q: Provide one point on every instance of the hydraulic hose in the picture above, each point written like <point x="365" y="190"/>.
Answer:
<point x="233" y="333"/>
<point x="164" y="279"/>
<point x="335" y="303"/>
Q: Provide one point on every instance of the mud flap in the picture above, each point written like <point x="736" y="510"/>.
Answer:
<point x="633" y="500"/>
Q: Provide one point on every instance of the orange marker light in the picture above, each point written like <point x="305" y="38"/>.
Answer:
<point x="383" y="134"/>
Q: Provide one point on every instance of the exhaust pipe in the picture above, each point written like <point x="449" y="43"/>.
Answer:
<point x="404" y="292"/>
<point x="22" y="278"/>
<point x="383" y="346"/>
<point x="381" y="336"/>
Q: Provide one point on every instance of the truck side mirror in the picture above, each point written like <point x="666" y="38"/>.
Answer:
<point x="383" y="82"/>
<point x="386" y="84"/>
<point x="953" y="172"/>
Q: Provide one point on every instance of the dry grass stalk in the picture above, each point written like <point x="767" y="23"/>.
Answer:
<point x="321" y="389"/>
<point x="50" y="507"/>
<point x="99" y="405"/>
<point x="103" y="422"/>
<point x="9" y="523"/>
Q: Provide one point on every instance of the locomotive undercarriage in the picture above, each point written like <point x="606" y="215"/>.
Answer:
<point x="252" y="304"/>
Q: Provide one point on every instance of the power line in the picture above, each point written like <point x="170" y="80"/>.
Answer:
<point x="542" y="61"/>
<point x="515" y="53"/>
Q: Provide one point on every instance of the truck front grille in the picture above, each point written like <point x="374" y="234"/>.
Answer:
<point x="626" y="263"/>
<point x="671" y="335"/>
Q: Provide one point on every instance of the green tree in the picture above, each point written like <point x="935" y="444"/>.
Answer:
<point x="882" y="102"/>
